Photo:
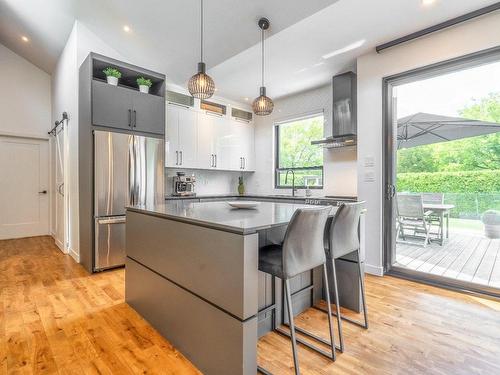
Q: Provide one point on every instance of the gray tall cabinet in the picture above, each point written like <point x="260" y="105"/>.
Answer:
<point x="119" y="108"/>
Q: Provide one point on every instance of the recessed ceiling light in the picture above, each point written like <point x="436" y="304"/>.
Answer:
<point x="428" y="2"/>
<point x="25" y="39"/>
<point x="126" y="28"/>
<point x="345" y="49"/>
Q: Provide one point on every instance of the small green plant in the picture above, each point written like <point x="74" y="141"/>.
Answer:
<point x="144" y="81"/>
<point x="112" y="72"/>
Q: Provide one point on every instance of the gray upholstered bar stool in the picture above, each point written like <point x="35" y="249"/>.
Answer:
<point x="343" y="239"/>
<point x="302" y="250"/>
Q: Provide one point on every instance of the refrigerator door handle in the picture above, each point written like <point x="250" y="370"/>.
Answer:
<point x="131" y="171"/>
<point x="111" y="220"/>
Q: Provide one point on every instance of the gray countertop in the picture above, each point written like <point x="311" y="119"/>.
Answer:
<point x="257" y="196"/>
<point x="219" y="215"/>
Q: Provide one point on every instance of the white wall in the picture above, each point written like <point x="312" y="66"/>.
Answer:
<point x="466" y="38"/>
<point x="24" y="96"/>
<point x="65" y="98"/>
<point x="339" y="164"/>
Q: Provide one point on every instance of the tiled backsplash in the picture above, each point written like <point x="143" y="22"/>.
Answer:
<point x="207" y="181"/>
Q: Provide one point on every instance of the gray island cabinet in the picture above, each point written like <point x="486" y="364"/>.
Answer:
<point x="192" y="272"/>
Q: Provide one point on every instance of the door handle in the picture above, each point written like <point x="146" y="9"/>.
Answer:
<point x="129" y="117"/>
<point x="42" y="192"/>
<point x="180" y="153"/>
<point x="135" y="118"/>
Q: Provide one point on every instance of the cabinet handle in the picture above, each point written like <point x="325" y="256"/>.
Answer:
<point x="135" y="118"/>
<point x="241" y="163"/>
<point x="215" y="160"/>
<point x="180" y="153"/>
<point x="176" y="157"/>
<point x="244" y="163"/>
<point x="211" y="160"/>
<point x="129" y="117"/>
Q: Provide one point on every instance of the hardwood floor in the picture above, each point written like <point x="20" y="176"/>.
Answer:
<point x="467" y="257"/>
<point x="55" y="318"/>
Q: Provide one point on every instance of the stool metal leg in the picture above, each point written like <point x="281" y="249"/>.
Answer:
<point x="363" y="296"/>
<point x="337" y="305"/>
<point x="330" y="325"/>
<point x="292" y="326"/>
<point x="361" y="280"/>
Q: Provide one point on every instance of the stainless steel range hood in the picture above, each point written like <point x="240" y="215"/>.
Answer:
<point x="344" y="113"/>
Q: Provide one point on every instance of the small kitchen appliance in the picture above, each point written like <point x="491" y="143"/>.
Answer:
<point x="184" y="185"/>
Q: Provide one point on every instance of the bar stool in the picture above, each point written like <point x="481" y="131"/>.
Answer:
<point x="302" y="250"/>
<point x="343" y="239"/>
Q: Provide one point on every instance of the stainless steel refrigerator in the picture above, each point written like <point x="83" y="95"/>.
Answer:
<point x="128" y="170"/>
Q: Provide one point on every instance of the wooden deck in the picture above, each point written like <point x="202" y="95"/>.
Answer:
<point x="467" y="257"/>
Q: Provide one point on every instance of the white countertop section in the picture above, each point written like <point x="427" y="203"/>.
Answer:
<point x="221" y="216"/>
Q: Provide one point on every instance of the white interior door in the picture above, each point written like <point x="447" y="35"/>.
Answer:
<point x="24" y="185"/>
<point x="60" y="225"/>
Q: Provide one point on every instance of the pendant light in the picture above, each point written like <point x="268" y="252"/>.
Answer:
<point x="201" y="85"/>
<point x="263" y="106"/>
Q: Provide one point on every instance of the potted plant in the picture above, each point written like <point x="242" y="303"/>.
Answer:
<point x="144" y="84"/>
<point x="241" y="186"/>
<point x="112" y="75"/>
<point x="491" y="221"/>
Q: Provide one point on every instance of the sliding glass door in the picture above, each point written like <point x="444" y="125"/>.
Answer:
<point x="442" y="173"/>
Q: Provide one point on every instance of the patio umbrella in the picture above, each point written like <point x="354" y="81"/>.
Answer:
<point x="426" y="128"/>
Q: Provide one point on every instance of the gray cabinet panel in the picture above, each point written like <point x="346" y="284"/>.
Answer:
<point x="149" y="113"/>
<point x="111" y="105"/>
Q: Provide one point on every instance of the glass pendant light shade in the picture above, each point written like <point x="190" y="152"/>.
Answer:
<point x="201" y="85"/>
<point x="263" y="105"/>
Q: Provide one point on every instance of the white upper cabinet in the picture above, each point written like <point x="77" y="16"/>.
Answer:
<point x="182" y="137"/>
<point x="243" y="156"/>
<point x="201" y="140"/>
<point x="206" y="154"/>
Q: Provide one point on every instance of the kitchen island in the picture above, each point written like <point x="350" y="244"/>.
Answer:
<point x="192" y="272"/>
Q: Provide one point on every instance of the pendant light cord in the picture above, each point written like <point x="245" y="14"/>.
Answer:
<point x="262" y="57"/>
<point x="201" y="13"/>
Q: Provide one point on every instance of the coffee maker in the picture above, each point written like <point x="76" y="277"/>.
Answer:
<point x="184" y="185"/>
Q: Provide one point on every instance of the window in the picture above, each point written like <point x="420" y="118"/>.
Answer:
<point x="294" y="152"/>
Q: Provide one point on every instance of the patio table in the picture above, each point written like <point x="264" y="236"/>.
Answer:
<point x="441" y="210"/>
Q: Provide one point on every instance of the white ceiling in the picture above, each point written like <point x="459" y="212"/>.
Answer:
<point x="165" y="35"/>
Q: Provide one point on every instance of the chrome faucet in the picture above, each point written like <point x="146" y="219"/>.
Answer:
<point x="293" y="180"/>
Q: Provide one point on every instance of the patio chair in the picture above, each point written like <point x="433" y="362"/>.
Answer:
<point x="434" y="198"/>
<point x="411" y="216"/>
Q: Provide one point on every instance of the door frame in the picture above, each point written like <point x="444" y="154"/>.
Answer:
<point x="388" y="165"/>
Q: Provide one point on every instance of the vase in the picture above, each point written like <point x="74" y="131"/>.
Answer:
<point x="144" y="89"/>
<point x="241" y="189"/>
<point x="112" y="80"/>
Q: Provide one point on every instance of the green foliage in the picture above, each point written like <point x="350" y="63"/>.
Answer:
<point x="468" y="154"/>
<point x="296" y="151"/>
<point x="112" y="72"/>
<point x="485" y="181"/>
<point x="144" y="81"/>
<point x="486" y="109"/>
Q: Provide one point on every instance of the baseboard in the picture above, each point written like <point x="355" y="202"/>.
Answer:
<point x="374" y="270"/>
<point x="74" y="255"/>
